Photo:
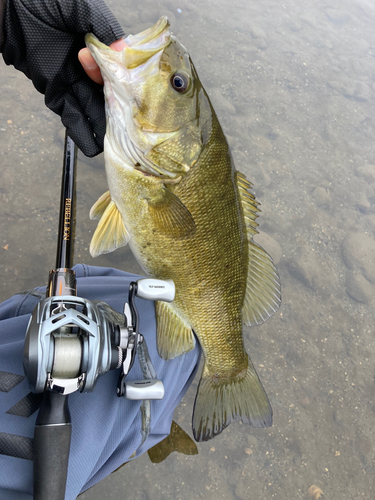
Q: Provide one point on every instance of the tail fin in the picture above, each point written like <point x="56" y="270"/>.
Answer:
<point x="220" y="402"/>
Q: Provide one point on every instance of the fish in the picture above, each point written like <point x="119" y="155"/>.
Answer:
<point x="188" y="215"/>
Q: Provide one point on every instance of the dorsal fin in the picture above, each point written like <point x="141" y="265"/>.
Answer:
<point x="110" y="232"/>
<point x="263" y="292"/>
<point x="249" y="204"/>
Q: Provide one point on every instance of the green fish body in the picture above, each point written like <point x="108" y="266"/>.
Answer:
<point x="188" y="215"/>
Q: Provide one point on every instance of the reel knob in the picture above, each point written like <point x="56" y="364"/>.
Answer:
<point x="144" y="389"/>
<point x="152" y="289"/>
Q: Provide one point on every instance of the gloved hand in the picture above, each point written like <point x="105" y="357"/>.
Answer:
<point x="42" y="39"/>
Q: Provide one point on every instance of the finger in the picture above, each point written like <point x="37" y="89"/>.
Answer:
<point x="89" y="64"/>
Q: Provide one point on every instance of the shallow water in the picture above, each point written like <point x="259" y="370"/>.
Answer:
<point x="293" y="85"/>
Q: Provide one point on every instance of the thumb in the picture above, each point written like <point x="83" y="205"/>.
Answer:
<point x="88" y="62"/>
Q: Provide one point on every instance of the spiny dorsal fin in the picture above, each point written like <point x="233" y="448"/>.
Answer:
<point x="174" y="334"/>
<point x="98" y="208"/>
<point x="170" y="215"/>
<point x="263" y="292"/>
<point x="249" y="203"/>
<point x="110" y="232"/>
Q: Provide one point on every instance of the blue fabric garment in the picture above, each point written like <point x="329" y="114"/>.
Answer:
<point x="105" y="428"/>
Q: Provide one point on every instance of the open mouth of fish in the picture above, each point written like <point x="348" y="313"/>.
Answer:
<point x="139" y="51"/>
<point x="122" y="70"/>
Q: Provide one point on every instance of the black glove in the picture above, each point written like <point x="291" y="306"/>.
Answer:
<point x="42" y="39"/>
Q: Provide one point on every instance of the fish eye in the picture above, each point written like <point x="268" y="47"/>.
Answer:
<point x="179" y="82"/>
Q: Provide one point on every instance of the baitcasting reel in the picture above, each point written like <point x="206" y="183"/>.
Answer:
<point x="70" y="341"/>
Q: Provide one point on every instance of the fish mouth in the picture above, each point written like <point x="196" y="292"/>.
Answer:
<point x="121" y="70"/>
<point x="140" y="48"/>
<point x="147" y="43"/>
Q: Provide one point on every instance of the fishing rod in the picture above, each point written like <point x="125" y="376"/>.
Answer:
<point x="70" y="342"/>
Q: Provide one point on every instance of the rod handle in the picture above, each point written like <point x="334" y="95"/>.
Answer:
<point x="52" y="435"/>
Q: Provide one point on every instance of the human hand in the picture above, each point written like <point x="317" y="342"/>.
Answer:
<point x="89" y="65"/>
<point x="42" y="39"/>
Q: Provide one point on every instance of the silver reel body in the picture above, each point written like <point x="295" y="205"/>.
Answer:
<point x="67" y="345"/>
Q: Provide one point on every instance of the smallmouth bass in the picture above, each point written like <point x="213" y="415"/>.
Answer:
<point x="188" y="215"/>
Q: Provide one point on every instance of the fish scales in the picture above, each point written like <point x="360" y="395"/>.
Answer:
<point x="215" y="276"/>
<point x="188" y="215"/>
<point x="199" y="278"/>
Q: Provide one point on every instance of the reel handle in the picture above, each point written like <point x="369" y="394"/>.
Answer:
<point x="52" y="434"/>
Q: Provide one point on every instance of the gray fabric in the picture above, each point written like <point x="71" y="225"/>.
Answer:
<point x="106" y="430"/>
<point x="14" y="495"/>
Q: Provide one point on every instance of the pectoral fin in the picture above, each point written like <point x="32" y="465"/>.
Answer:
<point x="174" y="334"/>
<point x="170" y="215"/>
<point x="98" y="208"/>
<point x="110" y="232"/>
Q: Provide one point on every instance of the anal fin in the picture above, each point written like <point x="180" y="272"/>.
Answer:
<point x="174" y="334"/>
